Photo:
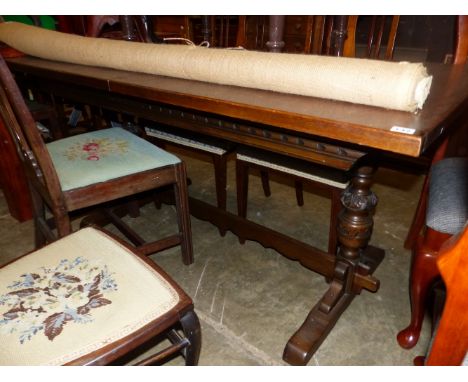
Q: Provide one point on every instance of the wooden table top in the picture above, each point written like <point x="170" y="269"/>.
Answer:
<point x="345" y="122"/>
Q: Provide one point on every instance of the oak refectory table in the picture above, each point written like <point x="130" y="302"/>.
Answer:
<point x="336" y="134"/>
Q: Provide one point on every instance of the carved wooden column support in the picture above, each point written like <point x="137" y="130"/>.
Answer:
<point x="275" y="41"/>
<point x="354" y="231"/>
<point x="355" y="220"/>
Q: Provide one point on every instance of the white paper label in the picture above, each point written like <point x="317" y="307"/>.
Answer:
<point x="403" y="130"/>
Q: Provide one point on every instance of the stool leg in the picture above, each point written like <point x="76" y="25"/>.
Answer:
<point x="191" y="327"/>
<point x="299" y="192"/>
<point x="265" y="182"/>
<point x="220" y="169"/>
<point x="242" y="184"/>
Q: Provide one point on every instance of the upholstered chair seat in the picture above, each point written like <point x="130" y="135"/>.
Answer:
<point x="78" y="295"/>
<point x="102" y="155"/>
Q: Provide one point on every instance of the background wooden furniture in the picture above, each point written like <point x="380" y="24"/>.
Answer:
<point x="118" y="271"/>
<point x="46" y="189"/>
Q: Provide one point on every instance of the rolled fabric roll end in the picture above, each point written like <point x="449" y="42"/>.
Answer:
<point x="421" y="90"/>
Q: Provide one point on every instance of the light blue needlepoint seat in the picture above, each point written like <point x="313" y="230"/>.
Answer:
<point x="102" y="155"/>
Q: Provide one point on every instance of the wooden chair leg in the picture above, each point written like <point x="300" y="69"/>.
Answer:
<point x="242" y="184"/>
<point x="335" y="209"/>
<point x="133" y="208"/>
<point x="299" y="192"/>
<point x="183" y="215"/>
<point x="265" y="182"/>
<point x="191" y="327"/>
<point x="423" y="273"/>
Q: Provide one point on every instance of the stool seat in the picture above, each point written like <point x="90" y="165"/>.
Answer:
<point x="75" y="296"/>
<point x="185" y="139"/>
<point x="295" y="167"/>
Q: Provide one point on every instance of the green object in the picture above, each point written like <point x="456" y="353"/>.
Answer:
<point x="47" y="22"/>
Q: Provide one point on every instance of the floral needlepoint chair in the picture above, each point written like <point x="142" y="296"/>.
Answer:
<point x="94" y="169"/>
<point x="88" y="299"/>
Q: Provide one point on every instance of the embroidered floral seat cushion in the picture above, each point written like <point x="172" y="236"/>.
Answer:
<point x="74" y="296"/>
<point x="102" y="155"/>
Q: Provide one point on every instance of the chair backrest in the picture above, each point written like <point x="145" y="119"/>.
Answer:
<point x="377" y="37"/>
<point x="30" y="146"/>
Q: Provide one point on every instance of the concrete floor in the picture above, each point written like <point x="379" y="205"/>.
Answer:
<point x="250" y="300"/>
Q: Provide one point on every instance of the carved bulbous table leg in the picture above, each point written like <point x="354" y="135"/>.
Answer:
<point x="354" y="232"/>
